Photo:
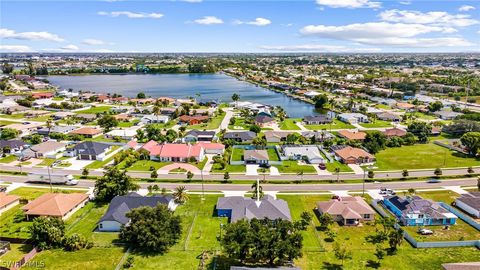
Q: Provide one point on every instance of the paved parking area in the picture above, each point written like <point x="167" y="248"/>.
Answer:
<point x="77" y="164"/>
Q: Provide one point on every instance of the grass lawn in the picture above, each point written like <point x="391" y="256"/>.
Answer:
<point x="8" y="159"/>
<point x="128" y="124"/>
<point x="377" y="124"/>
<point x="229" y="168"/>
<point x="336" y="124"/>
<point x="237" y="154"/>
<point x="143" y="165"/>
<point x="213" y="123"/>
<point x="16" y="253"/>
<point x="239" y="124"/>
<point x="200" y="229"/>
<point x="31" y="193"/>
<point x="13" y="116"/>
<point x="289" y="124"/>
<point x="95" y="110"/>
<point x="41" y="118"/>
<point x="47" y="162"/>
<point x="318" y="253"/>
<point x="337" y="164"/>
<point x="272" y="154"/>
<point x="446" y="196"/>
<point x="421" y="156"/>
<point x="291" y="166"/>
<point x="4" y="123"/>
<point x="94" y="258"/>
<point x="424" y="116"/>
<point x="459" y="232"/>
<point x="200" y="164"/>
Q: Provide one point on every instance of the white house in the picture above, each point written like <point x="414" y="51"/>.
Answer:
<point x="353" y="118"/>
<point x="470" y="203"/>
<point x="151" y="118"/>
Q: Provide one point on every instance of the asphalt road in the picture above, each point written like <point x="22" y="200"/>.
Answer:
<point x="285" y="187"/>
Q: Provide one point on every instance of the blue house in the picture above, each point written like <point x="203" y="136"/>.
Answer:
<point x="415" y="211"/>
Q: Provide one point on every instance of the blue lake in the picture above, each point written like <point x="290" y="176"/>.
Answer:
<point x="209" y="86"/>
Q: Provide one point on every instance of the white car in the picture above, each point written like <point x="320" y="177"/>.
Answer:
<point x="425" y="231"/>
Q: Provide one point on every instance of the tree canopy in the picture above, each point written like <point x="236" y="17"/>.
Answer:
<point x="113" y="183"/>
<point x="152" y="229"/>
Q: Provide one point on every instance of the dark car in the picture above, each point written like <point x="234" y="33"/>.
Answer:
<point x="264" y="165"/>
<point x="433" y="181"/>
<point x="322" y="166"/>
<point x="3" y="189"/>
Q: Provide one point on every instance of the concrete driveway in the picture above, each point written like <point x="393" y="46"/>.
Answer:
<point x="77" y="164"/>
<point x="356" y="168"/>
<point x="252" y="169"/>
<point x="274" y="171"/>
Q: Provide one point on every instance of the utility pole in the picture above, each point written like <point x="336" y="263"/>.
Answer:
<point x="50" y="178"/>
<point x="203" y="189"/>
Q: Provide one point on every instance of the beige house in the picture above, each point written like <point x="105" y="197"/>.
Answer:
<point x="349" y="211"/>
<point x="7" y="201"/>
<point x="55" y="205"/>
<point x="48" y="149"/>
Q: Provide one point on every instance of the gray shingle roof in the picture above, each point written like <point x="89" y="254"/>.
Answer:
<point x="243" y="135"/>
<point x="120" y="205"/>
<point x="12" y="143"/>
<point x="471" y="199"/>
<point x="246" y="208"/>
<point x="91" y="148"/>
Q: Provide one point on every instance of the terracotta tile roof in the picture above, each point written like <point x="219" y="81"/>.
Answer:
<point x="54" y="204"/>
<point x="352" y="152"/>
<point x="355" y="135"/>
<point x="395" y="132"/>
<point x="86" y="131"/>
<point x="347" y="207"/>
<point x="153" y="148"/>
<point x="6" y="199"/>
<point x="211" y="146"/>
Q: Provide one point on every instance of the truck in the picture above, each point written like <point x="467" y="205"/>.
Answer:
<point x="57" y="179"/>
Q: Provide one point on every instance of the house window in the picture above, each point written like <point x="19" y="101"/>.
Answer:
<point x="100" y="226"/>
<point x="366" y="216"/>
<point x="420" y="216"/>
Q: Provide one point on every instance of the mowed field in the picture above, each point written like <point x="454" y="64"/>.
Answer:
<point x="422" y="156"/>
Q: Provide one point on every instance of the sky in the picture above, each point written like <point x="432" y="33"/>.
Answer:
<point x="323" y="26"/>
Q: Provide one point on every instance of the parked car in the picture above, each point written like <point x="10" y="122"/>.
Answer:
<point x="386" y="191"/>
<point x="3" y="189"/>
<point x="264" y="165"/>
<point x="322" y="166"/>
<point x="425" y="231"/>
<point x="433" y="181"/>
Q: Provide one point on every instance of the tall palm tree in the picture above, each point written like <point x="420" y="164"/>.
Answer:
<point x="337" y="172"/>
<point x="300" y="173"/>
<point x="257" y="188"/>
<point x="49" y="125"/>
<point x="180" y="194"/>
<point x="156" y="111"/>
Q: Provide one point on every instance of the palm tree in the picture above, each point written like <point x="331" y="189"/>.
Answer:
<point x="180" y="194"/>
<point x="235" y="97"/>
<point x="257" y="188"/>
<point x="300" y="173"/>
<point x="49" y="125"/>
<point x="156" y="111"/>
<point x="337" y="172"/>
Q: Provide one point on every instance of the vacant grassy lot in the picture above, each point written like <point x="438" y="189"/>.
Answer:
<point x="228" y="168"/>
<point x="143" y="165"/>
<point x="16" y="253"/>
<point x="239" y="124"/>
<point x="290" y="124"/>
<point x="95" y="110"/>
<point x="376" y="124"/>
<point x="272" y="154"/>
<point x="200" y="228"/>
<point x="422" y="156"/>
<point x="331" y="166"/>
<point x="213" y="123"/>
<point x="446" y="196"/>
<point x="336" y="124"/>
<point x="318" y="253"/>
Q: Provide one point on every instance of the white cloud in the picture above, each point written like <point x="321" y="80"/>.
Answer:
<point x="11" y="34"/>
<point x="93" y="42"/>
<point x="466" y="8"/>
<point x="317" y="48"/>
<point x="132" y="15"/>
<point x="405" y="2"/>
<point x="349" y="3"/>
<point x="439" y="18"/>
<point x="70" y="47"/>
<point x="386" y="34"/>
<point x="207" y="20"/>
<point x="15" y="48"/>
<point x="258" y="22"/>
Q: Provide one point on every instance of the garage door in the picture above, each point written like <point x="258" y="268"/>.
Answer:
<point x="85" y="157"/>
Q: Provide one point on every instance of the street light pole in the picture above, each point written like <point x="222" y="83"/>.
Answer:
<point x="203" y="189"/>
<point x="50" y="178"/>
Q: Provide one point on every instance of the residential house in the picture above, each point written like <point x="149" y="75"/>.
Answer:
<point x="276" y="136"/>
<point x="48" y="149"/>
<point x="317" y="119"/>
<point x="349" y="211"/>
<point x="90" y="150"/>
<point x="352" y="135"/>
<point x="115" y="217"/>
<point x="395" y="132"/>
<point x="123" y="117"/>
<point x="352" y="155"/>
<point x="212" y="148"/>
<point x="255" y="156"/>
<point x="388" y="116"/>
<point x="45" y="131"/>
<point x="353" y="118"/>
<point x="193" y="119"/>
<point x="86" y="117"/>
<point x="58" y="205"/>
<point x="415" y="211"/>
<point x="87" y="132"/>
<point x="405" y="106"/>
<point x="470" y="203"/>
<point x="238" y="208"/>
<point x="124" y="134"/>
<point x="152" y="118"/>
<point x="309" y="153"/>
<point x="40" y="95"/>
<point x="264" y="121"/>
<point x="447" y="115"/>
<point x="319" y="136"/>
<point x="7" y="201"/>
<point x="199" y="136"/>
<point x="240" y="136"/>
<point x="23" y="129"/>
<point x="62" y="115"/>
<point x="12" y="146"/>
<point x="171" y="152"/>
